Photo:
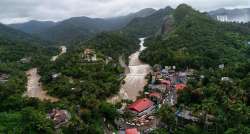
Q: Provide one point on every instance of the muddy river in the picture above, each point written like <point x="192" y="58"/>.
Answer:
<point x="135" y="78"/>
<point x="34" y="86"/>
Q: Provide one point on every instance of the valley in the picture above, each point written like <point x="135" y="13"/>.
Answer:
<point x="134" y="80"/>
<point x="156" y="71"/>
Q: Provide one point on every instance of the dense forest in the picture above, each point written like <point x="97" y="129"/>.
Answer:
<point x="20" y="114"/>
<point x="198" y="42"/>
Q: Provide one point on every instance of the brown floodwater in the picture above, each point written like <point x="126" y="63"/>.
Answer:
<point x="135" y="78"/>
<point x="34" y="86"/>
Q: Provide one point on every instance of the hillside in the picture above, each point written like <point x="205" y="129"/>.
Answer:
<point x="33" y="26"/>
<point x="148" y="25"/>
<point x="197" y="41"/>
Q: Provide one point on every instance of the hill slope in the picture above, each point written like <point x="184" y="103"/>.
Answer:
<point x="33" y="26"/>
<point x="148" y="25"/>
<point x="197" y="40"/>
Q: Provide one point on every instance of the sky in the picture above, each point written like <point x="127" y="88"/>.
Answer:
<point x="15" y="11"/>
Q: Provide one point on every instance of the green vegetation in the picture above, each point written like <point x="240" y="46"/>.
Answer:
<point x="87" y="85"/>
<point x="112" y="44"/>
<point x="201" y="43"/>
<point x="19" y="114"/>
<point x="141" y="27"/>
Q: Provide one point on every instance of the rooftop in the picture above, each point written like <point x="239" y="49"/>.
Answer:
<point x="155" y="94"/>
<point x="132" y="131"/>
<point x="141" y="105"/>
<point x="180" y="86"/>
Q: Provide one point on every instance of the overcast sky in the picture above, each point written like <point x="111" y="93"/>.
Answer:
<point x="12" y="11"/>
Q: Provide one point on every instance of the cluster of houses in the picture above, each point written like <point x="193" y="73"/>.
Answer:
<point x="161" y="89"/>
<point x="59" y="117"/>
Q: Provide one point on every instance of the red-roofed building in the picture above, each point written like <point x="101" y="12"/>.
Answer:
<point x="180" y="86"/>
<point x="156" y="97"/>
<point x="166" y="82"/>
<point x="142" y="107"/>
<point x="131" y="131"/>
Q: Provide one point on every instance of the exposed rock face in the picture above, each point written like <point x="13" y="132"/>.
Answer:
<point x="168" y="25"/>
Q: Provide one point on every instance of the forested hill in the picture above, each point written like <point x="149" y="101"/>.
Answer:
<point x="33" y="26"/>
<point x="7" y="33"/>
<point x="196" y="41"/>
<point x="141" y="27"/>
<point x="78" y="28"/>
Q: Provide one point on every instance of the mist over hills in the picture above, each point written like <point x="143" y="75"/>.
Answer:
<point x="78" y="27"/>
<point x="231" y="15"/>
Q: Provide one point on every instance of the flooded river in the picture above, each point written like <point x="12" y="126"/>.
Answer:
<point x="63" y="50"/>
<point x="135" y="78"/>
<point x="34" y="86"/>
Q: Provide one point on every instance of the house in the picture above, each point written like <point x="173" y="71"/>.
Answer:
<point x="155" y="97"/>
<point x="89" y="55"/>
<point x="56" y="75"/>
<point x="132" y="131"/>
<point x="226" y="79"/>
<point x="25" y="60"/>
<point x="187" y="116"/>
<point x="59" y="117"/>
<point x="181" y="77"/>
<point x="3" y="78"/>
<point x="142" y="107"/>
<point x="165" y="82"/>
<point x="180" y="86"/>
<point x="158" y="87"/>
<point x="221" y="66"/>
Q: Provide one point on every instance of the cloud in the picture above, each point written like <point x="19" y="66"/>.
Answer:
<point x="24" y="10"/>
